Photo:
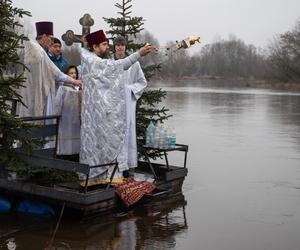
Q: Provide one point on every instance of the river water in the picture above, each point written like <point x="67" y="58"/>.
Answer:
<point x="242" y="190"/>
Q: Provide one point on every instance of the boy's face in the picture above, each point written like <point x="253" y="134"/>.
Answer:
<point x="120" y="50"/>
<point x="72" y="73"/>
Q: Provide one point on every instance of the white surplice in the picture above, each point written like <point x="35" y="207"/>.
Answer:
<point x="68" y="107"/>
<point x="40" y="80"/>
<point x="135" y="86"/>
<point x="103" y="119"/>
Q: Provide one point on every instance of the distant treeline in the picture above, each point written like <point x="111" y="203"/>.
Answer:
<point x="231" y="58"/>
<point x="228" y="59"/>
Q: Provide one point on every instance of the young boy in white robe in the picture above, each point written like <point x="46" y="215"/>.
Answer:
<point x="134" y="87"/>
<point x="68" y="105"/>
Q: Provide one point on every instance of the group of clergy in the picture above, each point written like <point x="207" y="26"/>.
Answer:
<point x="105" y="129"/>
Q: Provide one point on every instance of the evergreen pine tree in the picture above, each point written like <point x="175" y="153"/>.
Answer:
<point x="147" y="106"/>
<point x="10" y="81"/>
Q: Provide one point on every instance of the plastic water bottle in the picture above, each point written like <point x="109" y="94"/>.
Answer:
<point x="169" y="137"/>
<point x="150" y="134"/>
<point x="166" y="139"/>
<point x="156" y="137"/>
<point x="162" y="139"/>
<point x="173" y="139"/>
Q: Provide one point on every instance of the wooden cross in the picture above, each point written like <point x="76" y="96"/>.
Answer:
<point x="69" y="37"/>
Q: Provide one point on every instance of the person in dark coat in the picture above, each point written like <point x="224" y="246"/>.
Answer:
<point x="54" y="53"/>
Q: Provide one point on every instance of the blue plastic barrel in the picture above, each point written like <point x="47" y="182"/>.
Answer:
<point x="4" y="204"/>
<point x="34" y="207"/>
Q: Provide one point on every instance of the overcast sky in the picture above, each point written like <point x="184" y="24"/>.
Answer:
<point x="254" y="21"/>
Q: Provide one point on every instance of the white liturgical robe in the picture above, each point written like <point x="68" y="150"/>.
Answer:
<point x="135" y="86"/>
<point x="68" y="104"/>
<point x="103" y="120"/>
<point x="40" y="80"/>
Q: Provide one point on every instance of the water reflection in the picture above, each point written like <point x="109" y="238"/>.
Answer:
<point x="160" y="226"/>
<point x="243" y="182"/>
<point x="155" y="224"/>
<point x="242" y="189"/>
<point x="284" y="111"/>
<point x="11" y="244"/>
<point x="225" y="104"/>
<point x="19" y="232"/>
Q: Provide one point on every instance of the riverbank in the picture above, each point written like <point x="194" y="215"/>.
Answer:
<point x="242" y="82"/>
<point x="279" y="86"/>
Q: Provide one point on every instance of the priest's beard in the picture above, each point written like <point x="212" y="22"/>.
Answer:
<point x="106" y="54"/>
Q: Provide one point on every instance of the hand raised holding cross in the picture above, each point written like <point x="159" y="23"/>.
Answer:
<point x="69" y="37"/>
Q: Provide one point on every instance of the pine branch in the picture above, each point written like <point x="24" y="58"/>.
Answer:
<point x="11" y="82"/>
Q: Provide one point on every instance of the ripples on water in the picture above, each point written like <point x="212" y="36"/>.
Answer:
<point x="228" y="91"/>
<point x="244" y="164"/>
<point x="242" y="189"/>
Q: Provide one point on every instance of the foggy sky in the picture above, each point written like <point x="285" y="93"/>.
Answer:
<point x="254" y="21"/>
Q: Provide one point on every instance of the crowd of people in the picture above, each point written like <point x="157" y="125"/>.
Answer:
<point x="96" y="100"/>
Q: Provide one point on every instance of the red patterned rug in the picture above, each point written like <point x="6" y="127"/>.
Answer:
<point x="131" y="191"/>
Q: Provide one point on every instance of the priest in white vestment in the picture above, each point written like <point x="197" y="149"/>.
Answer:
<point x="103" y="117"/>
<point x="135" y="86"/>
<point x="42" y="73"/>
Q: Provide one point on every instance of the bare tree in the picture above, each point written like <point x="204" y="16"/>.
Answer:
<point x="284" y="56"/>
<point x="147" y="37"/>
<point x="72" y="53"/>
<point x="224" y="58"/>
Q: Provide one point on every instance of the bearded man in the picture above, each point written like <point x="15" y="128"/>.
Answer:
<point x="103" y="120"/>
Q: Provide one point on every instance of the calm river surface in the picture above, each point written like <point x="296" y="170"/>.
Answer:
<point x="242" y="191"/>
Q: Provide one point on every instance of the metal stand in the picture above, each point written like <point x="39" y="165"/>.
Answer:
<point x="178" y="147"/>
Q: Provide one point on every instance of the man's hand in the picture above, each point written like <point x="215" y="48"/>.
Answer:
<point x="77" y="83"/>
<point x="84" y="42"/>
<point x="146" y="49"/>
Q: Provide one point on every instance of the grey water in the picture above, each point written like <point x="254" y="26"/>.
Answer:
<point x="242" y="190"/>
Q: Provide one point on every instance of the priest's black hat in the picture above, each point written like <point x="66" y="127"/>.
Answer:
<point x="44" y="28"/>
<point x="96" y="37"/>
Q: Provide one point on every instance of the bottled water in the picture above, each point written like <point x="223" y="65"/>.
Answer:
<point x="163" y="139"/>
<point x="172" y="139"/>
<point x="159" y="137"/>
<point x="166" y="139"/>
<point x="156" y="137"/>
<point x="150" y="134"/>
<point x="169" y="137"/>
